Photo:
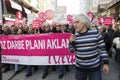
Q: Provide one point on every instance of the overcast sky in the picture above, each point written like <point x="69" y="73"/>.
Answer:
<point x="72" y="5"/>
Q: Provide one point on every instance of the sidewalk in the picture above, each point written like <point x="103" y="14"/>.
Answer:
<point x="53" y="75"/>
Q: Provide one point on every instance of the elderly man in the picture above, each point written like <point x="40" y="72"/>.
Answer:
<point x="90" y="50"/>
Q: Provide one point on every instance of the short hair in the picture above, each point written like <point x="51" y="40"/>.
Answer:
<point x="84" y="19"/>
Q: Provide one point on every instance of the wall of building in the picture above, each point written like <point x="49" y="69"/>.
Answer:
<point x="1" y="12"/>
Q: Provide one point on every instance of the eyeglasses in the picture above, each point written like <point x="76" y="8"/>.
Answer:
<point x="58" y="25"/>
<point x="46" y="26"/>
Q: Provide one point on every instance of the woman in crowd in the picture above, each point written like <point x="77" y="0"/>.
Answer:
<point x="46" y="29"/>
<point x="62" y="27"/>
<point x="116" y="44"/>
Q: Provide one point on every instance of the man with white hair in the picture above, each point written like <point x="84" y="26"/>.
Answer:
<point x="90" y="50"/>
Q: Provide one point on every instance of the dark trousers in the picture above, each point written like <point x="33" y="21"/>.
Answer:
<point x="90" y="75"/>
<point x="29" y="70"/>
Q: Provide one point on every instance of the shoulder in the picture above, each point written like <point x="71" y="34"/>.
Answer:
<point x="93" y="31"/>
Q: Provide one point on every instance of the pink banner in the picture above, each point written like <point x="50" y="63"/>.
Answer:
<point x="36" y="45"/>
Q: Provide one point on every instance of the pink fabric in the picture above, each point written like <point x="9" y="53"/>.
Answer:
<point x="36" y="45"/>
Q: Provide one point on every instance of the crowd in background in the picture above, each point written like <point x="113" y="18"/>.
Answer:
<point x="108" y="33"/>
<point x="59" y="27"/>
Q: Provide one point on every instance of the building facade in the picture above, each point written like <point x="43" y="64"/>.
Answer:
<point x="84" y="6"/>
<point x="11" y="7"/>
<point x="114" y="8"/>
<point x="99" y="7"/>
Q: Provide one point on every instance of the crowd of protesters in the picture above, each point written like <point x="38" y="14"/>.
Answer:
<point x="108" y="33"/>
<point x="59" y="27"/>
